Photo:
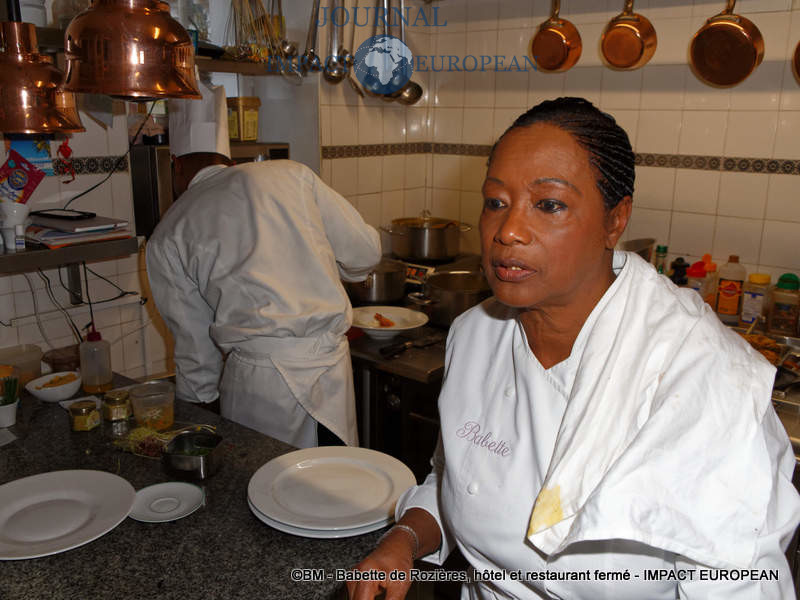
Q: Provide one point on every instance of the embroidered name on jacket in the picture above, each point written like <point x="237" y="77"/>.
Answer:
<point x="471" y="431"/>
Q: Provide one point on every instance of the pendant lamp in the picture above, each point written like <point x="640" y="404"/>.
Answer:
<point x="130" y="49"/>
<point x="31" y="98"/>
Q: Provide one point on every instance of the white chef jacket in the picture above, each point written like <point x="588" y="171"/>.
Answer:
<point x="247" y="263"/>
<point x="505" y="421"/>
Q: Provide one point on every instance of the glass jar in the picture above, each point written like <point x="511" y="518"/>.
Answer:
<point x="116" y="406"/>
<point x="84" y="415"/>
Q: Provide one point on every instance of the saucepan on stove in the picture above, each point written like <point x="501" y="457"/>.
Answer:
<point x="447" y="294"/>
<point x="386" y="283"/>
<point x="425" y="238"/>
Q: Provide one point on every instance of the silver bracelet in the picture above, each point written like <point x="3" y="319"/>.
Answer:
<point x="410" y="532"/>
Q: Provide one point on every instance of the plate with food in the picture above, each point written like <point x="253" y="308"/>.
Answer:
<point x="55" y="386"/>
<point x="385" y="322"/>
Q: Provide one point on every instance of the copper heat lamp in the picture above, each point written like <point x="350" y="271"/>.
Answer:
<point x="130" y="49"/>
<point x="31" y="99"/>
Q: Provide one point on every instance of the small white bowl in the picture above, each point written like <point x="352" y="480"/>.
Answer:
<point x="404" y="320"/>
<point x="56" y="393"/>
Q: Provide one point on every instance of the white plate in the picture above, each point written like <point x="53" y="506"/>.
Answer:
<point x="330" y="488"/>
<point x="324" y="534"/>
<point x="404" y="319"/>
<point x="52" y="512"/>
<point x="166" y="502"/>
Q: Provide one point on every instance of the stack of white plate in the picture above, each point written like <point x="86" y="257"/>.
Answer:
<point x="328" y="492"/>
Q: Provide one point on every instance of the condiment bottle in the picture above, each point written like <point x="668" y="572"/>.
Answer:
<point x="711" y="280"/>
<point x="95" y="364"/>
<point x="677" y="271"/>
<point x="661" y="259"/>
<point x="729" y="290"/>
<point x="785" y="306"/>
<point x="696" y="275"/>
<point x="755" y="297"/>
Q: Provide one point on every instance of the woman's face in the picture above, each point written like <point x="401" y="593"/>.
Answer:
<point x="544" y="228"/>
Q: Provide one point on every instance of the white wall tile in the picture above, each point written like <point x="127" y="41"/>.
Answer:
<point x="780" y="245"/>
<point x="760" y="91"/>
<point x="92" y="142"/>
<point x="590" y="39"/>
<point x="446" y="204"/>
<point x="691" y="233"/>
<point x="477" y="126"/>
<point x="621" y="89"/>
<point x="394" y="124"/>
<point x="743" y="195"/>
<point x="658" y="131"/>
<point x="392" y="206"/>
<point x="394" y="171"/>
<point x="513" y="14"/>
<point x="479" y="88"/>
<point x="666" y="9"/>
<point x="447" y="171"/>
<point x="369" y="205"/>
<point x="511" y="89"/>
<point x="673" y="35"/>
<point x="649" y="223"/>
<point x="449" y="88"/>
<point x="326" y="171"/>
<point x="701" y="96"/>
<point x="482" y="14"/>
<point x="417" y="124"/>
<point x="662" y="87"/>
<point x="473" y="172"/>
<point x="415" y="170"/>
<point x="783" y="198"/>
<point x="654" y="188"/>
<point x="370" y="125"/>
<point x="413" y="201"/>
<point x="514" y="43"/>
<point x="544" y="86"/>
<point x="737" y="236"/>
<point x="629" y="121"/>
<point x="696" y="191"/>
<point x="345" y="176"/>
<point x="790" y="93"/>
<point x="448" y="124"/>
<point x="787" y="136"/>
<point x="503" y="118"/>
<point x="370" y="174"/>
<point x="774" y="27"/>
<point x="584" y="82"/>
<point x="703" y="132"/>
<point x="471" y="206"/>
<point x="750" y="133"/>
<point x="344" y="126"/>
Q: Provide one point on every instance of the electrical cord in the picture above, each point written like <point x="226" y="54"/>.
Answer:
<point x="55" y="302"/>
<point x="122" y="293"/>
<point x="36" y="311"/>
<point x="88" y="298"/>
<point x="118" y="162"/>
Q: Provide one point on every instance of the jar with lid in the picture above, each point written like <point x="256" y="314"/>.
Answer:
<point x="755" y="294"/>
<point x="729" y="290"/>
<point x="116" y="406"/>
<point x="785" y="306"/>
<point x="84" y="415"/>
<point x="96" y="372"/>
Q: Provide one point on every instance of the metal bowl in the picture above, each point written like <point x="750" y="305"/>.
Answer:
<point x="193" y="455"/>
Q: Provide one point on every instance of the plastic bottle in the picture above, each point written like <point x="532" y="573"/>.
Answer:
<point x="785" y="306"/>
<point x="661" y="259"/>
<point x="95" y="364"/>
<point x="696" y="275"/>
<point x="677" y="271"/>
<point x="729" y="290"/>
<point x="710" y="295"/>
<point x="755" y="298"/>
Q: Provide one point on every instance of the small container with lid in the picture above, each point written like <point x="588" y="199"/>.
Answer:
<point x="785" y="306"/>
<point x="661" y="259"/>
<point x="84" y="415"/>
<point x="711" y="280"/>
<point x="696" y="277"/>
<point x="116" y="406"/>
<point x="729" y="290"/>
<point x="755" y="295"/>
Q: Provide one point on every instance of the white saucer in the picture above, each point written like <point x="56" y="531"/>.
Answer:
<point x="166" y="502"/>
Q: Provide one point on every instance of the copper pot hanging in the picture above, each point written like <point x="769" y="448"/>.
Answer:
<point x="557" y="44"/>
<point x="131" y="49"/>
<point x="796" y="63"/>
<point x="726" y="49"/>
<point x="629" y="40"/>
<point x="31" y="98"/>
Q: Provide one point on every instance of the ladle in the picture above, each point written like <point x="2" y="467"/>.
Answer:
<point x="310" y="61"/>
<point x="411" y="92"/>
<point x="348" y="57"/>
<point x="335" y="70"/>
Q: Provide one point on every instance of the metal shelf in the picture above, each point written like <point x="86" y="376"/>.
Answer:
<point x="44" y="258"/>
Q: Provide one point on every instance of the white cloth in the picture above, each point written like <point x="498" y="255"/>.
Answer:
<point x="681" y="448"/>
<point x="248" y="261"/>
<point x="200" y="125"/>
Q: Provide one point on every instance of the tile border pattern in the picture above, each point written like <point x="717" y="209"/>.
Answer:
<point x="92" y="165"/>
<point x="736" y="164"/>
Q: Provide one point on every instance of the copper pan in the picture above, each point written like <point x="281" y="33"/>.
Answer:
<point x="796" y="63"/>
<point x="629" y="40"/>
<point x="557" y="44"/>
<point x="726" y="49"/>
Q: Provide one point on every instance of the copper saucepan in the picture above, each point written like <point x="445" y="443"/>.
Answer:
<point x="796" y="63"/>
<point x="726" y="49"/>
<point x="557" y="44"/>
<point x="629" y="40"/>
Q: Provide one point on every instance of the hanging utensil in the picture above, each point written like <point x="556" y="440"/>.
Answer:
<point x="796" y="63"/>
<point x="310" y="60"/>
<point x="726" y="49"/>
<point x="557" y="44"/>
<point x="288" y="49"/>
<point x="348" y="56"/>
<point x="629" y="40"/>
<point x="411" y="92"/>
<point x="334" y="67"/>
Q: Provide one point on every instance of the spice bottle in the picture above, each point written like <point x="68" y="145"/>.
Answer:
<point x="755" y="295"/>
<point x="785" y="306"/>
<point x="729" y="290"/>
<point x="696" y="275"/>
<point x="95" y="364"/>
<point x="661" y="259"/>
<point x="711" y="281"/>
<point x="84" y="415"/>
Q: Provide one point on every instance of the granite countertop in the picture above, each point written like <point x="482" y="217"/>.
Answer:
<point x="220" y="551"/>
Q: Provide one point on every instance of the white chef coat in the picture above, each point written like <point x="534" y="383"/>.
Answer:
<point x="503" y="417"/>
<point x="247" y="263"/>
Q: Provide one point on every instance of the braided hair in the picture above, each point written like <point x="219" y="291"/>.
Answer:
<point x="607" y="144"/>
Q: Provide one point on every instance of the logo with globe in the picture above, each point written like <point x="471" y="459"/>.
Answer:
<point x="383" y="64"/>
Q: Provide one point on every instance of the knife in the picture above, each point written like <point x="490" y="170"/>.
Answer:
<point x="400" y="347"/>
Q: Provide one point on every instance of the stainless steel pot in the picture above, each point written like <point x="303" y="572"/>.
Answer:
<point x="386" y="283"/>
<point x="447" y="294"/>
<point x="425" y="238"/>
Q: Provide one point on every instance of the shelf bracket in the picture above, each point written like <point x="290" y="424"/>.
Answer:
<point x="74" y="284"/>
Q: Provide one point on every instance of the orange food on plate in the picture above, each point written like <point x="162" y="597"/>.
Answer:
<point x="58" y="380"/>
<point x="383" y="321"/>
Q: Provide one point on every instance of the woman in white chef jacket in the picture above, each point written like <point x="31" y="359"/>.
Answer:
<point x="603" y="435"/>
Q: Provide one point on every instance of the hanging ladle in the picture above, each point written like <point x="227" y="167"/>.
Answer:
<point x="348" y="56"/>
<point x="335" y="70"/>
<point x="310" y="61"/>
<point x="411" y="92"/>
<point x="289" y="49"/>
